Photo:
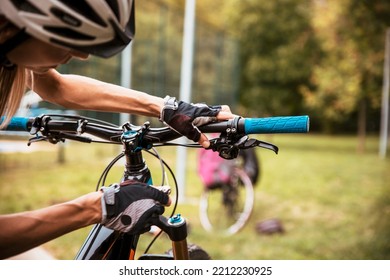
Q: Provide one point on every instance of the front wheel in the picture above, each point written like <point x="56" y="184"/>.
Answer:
<point x="227" y="208"/>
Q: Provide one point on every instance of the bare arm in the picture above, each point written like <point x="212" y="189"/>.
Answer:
<point x="79" y="92"/>
<point x="23" y="231"/>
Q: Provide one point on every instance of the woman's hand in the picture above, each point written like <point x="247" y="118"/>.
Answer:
<point x="185" y="118"/>
<point x="129" y="206"/>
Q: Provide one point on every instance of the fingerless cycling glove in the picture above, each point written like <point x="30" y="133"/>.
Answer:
<point x="128" y="206"/>
<point x="184" y="118"/>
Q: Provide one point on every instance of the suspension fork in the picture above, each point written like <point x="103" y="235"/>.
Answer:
<point x="176" y="228"/>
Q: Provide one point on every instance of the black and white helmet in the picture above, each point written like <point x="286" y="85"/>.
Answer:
<point x="98" y="27"/>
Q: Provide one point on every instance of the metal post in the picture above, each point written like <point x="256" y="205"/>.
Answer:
<point x="385" y="99"/>
<point x="125" y="77"/>
<point x="185" y="87"/>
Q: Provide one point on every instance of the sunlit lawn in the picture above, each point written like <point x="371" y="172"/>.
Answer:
<point x="333" y="202"/>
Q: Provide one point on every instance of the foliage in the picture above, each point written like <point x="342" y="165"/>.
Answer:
<point x="370" y="40"/>
<point x="351" y="37"/>
<point x="277" y="52"/>
<point x="336" y="89"/>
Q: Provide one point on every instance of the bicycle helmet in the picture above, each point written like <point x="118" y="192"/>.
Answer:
<point x="98" y="27"/>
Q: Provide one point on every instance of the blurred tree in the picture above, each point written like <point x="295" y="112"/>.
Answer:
<point x="336" y="76"/>
<point x="278" y="50"/>
<point x="368" y="24"/>
<point x="348" y="79"/>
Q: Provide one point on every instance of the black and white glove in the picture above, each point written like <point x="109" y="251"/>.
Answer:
<point x="128" y="206"/>
<point x="184" y="118"/>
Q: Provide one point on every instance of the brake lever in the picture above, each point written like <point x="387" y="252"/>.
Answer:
<point x="36" y="139"/>
<point x="50" y="139"/>
<point x="250" y="143"/>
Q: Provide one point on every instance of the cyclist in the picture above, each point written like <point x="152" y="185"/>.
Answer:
<point x="35" y="37"/>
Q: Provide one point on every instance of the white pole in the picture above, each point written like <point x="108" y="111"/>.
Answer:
<point x="125" y="77"/>
<point x="385" y="99"/>
<point x="185" y="88"/>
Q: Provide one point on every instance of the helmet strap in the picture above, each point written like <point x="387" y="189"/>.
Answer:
<point x="9" y="45"/>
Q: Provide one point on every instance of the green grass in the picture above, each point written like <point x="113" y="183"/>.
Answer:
<point x="333" y="202"/>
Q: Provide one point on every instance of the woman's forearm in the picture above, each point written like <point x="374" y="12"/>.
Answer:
<point x="23" y="231"/>
<point x="78" y="92"/>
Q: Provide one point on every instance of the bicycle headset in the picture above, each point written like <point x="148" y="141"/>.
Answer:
<point x="97" y="27"/>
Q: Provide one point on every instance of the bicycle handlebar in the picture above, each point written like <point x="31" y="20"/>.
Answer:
<point x="290" y="124"/>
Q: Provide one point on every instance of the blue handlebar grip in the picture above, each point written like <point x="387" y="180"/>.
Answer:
<point x="16" y="124"/>
<point x="293" y="124"/>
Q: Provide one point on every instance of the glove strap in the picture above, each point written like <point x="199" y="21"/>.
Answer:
<point x="169" y="103"/>
<point x="108" y="199"/>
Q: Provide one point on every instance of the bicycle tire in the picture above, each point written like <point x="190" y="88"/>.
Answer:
<point x="213" y="211"/>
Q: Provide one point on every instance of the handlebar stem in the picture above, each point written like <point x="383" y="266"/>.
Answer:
<point x="136" y="168"/>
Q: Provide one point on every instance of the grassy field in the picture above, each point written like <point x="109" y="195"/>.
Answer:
<point x="333" y="202"/>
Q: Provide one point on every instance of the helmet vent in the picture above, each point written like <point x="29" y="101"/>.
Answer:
<point x="25" y="6"/>
<point x="68" y="33"/>
<point x="65" y="17"/>
<point x="83" y="8"/>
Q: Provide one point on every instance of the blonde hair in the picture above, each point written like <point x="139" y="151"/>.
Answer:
<point x="12" y="79"/>
<point x="12" y="89"/>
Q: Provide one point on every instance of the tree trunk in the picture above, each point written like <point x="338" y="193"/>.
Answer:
<point x="362" y="123"/>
